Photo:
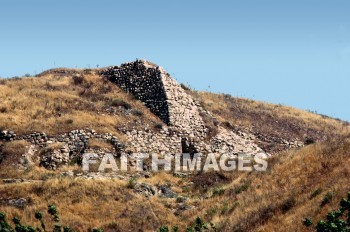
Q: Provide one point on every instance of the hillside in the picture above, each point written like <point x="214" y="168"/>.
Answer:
<point x="273" y="125"/>
<point x="47" y="122"/>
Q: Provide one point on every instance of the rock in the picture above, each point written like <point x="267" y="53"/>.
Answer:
<point x="53" y="159"/>
<point x="166" y="192"/>
<point x="180" y="174"/>
<point x="145" y="189"/>
<point x="18" y="203"/>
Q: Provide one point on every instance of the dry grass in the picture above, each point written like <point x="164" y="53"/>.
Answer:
<point x="98" y="144"/>
<point x="269" y="120"/>
<point x="56" y="104"/>
<point x="84" y="203"/>
<point x="281" y="198"/>
<point x="276" y="200"/>
<point x="242" y="112"/>
<point x="12" y="151"/>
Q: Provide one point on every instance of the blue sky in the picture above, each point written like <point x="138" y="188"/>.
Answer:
<point x="294" y="52"/>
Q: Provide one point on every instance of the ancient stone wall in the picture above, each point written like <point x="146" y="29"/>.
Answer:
<point x="142" y="82"/>
<point x="169" y="101"/>
<point x="186" y="130"/>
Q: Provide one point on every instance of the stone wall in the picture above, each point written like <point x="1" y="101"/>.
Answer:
<point x="74" y="143"/>
<point x="144" y="83"/>
<point x="186" y="131"/>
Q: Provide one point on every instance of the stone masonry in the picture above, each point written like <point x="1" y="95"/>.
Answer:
<point x="186" y="131"/>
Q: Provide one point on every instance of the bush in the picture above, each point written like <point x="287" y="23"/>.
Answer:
<point x="52" y="210"/>
<point x="336" y="221"/>
<point x="131" y="183"/>
<point x="307" y="222"/>
<point x="158" y="126"/>
<point x="137" y="113"/>
<point x="3" y="109"/>
<point x="78" y="80"/>
<point x="326" y="199"/>
<point x="69" y="121"/>
<point x="185" y="87"/>
<point x="241" y="189"/>
<point x="164" y="229"/>
<point x="199" y="225"/>
<point x="309" y="141"/>
<point x="97" y="230"/>
<point x="288" y="204"/>
<point x="218" y="191"/>
<point x="316" y="193"/>
<point x="121" y="103"/>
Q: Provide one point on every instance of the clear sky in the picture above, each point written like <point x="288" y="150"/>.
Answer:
<point x="294" y="52"/>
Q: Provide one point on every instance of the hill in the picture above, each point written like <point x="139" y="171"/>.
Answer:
<point x="47" y="122"/>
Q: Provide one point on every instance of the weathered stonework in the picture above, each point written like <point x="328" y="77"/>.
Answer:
<point x="186" y="131"/>
<point x="144" y="83"/>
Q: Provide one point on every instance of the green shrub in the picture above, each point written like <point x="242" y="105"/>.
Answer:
<point x="131" y="183"/>
<point x="198" y="226"/>
<point x="307" y="222"/>
<point x="326" y="199"/>
<point x="336" y="221"/>
<point x="52" y="210"/>
<point x="97" y="230"/>
<point x="164" y="229"/>
<point x="241" y="189"/>
<point x="218" y="191"/>
<point x="315" y="193"/>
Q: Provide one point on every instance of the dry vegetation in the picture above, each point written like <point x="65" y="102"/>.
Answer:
<point x="84" y="203"/>
<point x="268" y="121"/>
<point x="300" y="183"/>
<point x="55" y="103"/>
<point x="12" y="151"/>
<point x="269" y="118"/>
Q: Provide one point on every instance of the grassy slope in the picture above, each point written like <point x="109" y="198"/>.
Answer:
<point x="273" y="201"/>
<point x="56" y="103"/>
<point x="270" y="122"/>
<point x="277" y="200"/>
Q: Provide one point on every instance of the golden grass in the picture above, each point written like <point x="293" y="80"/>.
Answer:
<point x="55" y="104"/>
<point x="12" y="152"/>
<point x="276" y="200"/>
<point x="280" y="199"/>
<point x="98" y="144"/>
<point x="85" y="203"/>
<point x="221" y="105"/>
<point x="269" y="121"/>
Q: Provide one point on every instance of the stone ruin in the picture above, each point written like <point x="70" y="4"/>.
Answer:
<point x="186" y="131"/>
